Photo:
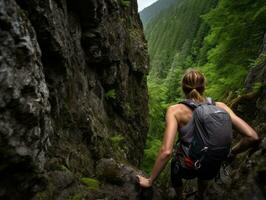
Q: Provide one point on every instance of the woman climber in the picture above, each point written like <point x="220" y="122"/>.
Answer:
<point x="202" y="146"/>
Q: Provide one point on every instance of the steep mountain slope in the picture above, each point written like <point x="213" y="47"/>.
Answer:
<point x="191" y="34"/>
<point x="222" y="38"/>
<point x="153" y="10"/>
<point x="172" y="32"/>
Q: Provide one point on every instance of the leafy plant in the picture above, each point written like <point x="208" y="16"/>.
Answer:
<point x="125" y="3"/>
<point x="92" y="184"/>
<point x="150" y="154"/>
<point x="110" y="94"/>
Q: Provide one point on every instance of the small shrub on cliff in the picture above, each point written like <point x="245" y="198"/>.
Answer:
<point x="118" y="146"/>
<point x="150" y="154"/>
<point x="125" y="3"/>
<point x="110" y="94"/>
<point x="91" y="183"/>
<point x="257" y="86"/>
<point x="77" y="196"/>
<point x="117" y="139"/>
<point x="261" y="59"/>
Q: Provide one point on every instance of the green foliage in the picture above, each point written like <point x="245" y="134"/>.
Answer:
<point x="117" y="143"/>
<point x="110" y="94"/>
<point x="157" y="108"/>
<point x="261" y="59"/>
<point x="125" y="3"/>
<point x="221" y="38"/>
<point x="77" y="196"/>
<point x="235" y="37"/>
<point x="92" y="184"/>
<point x="117" y="139"/>
<point x="257" y="86"/>
<point x="173" y="85"/>
<point x="220" y="84"/>
<point x="173" y="31"/>
<point x="129" y="111"/>
<point x="150" y="153"/>
<point x="152" y="11"/>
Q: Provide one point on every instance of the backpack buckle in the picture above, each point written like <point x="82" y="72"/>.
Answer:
<point x="204" y="149"/>
<point x="197" y="164"/>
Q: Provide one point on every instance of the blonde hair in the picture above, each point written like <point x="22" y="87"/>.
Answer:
<point x="193" y="85"/>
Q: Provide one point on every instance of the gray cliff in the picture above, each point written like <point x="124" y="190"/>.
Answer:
<point x="73" y="96"/>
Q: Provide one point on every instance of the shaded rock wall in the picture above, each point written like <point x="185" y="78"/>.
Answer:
<point x="73" y="91"/>
<point x="25" y="122"/>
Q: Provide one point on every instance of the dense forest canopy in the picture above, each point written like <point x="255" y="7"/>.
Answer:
<point x="221" y="38"/>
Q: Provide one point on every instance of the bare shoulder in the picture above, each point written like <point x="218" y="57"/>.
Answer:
<point x="221" y="105"/>
<point x="176" y="109"/>
<point x="224" y="106"/>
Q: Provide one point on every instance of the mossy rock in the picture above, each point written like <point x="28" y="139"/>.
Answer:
<point x="41" y="196"/>
<point x="129" y="112"/>
<point x="77" y="196"/>
<point x="125" y="3"/>
<point x="110" y="171"/>
<point x="118" y="147"/>
<point x="110" y="94"/>
<point x="92" y="184"/>
<point x="117" y="139"/>
<point x="257" y="86"/>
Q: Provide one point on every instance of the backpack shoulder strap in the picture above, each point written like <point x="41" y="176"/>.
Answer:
<point x="210" y="101"/>
<point x="191" y="104"/>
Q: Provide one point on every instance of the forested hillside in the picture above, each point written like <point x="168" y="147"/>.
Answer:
<point x="223" y="38"/>
<point x="171" y="34"/>
<point x="152" y="11"/>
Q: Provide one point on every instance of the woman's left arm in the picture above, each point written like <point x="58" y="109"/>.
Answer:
<point x="166" y="148"/>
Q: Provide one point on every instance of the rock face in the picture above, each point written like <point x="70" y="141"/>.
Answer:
<point x="73" y="91"/>
<point x="25" y="125"/>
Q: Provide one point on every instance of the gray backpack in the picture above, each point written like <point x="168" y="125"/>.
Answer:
<point x="212" y="134"/>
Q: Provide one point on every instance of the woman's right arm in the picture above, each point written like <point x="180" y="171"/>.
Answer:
<point x="250" y="138"/>
<point x="166" y="148"/>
